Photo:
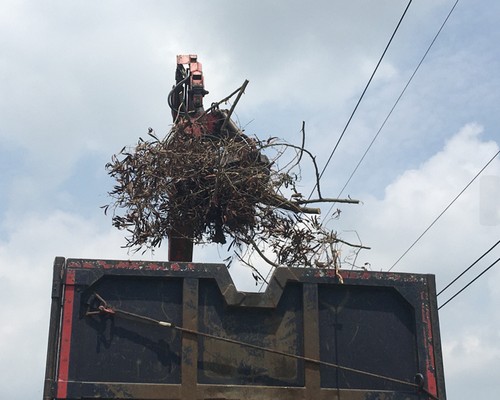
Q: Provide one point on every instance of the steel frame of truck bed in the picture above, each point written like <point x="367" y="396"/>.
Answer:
<point x="308" y="336"/>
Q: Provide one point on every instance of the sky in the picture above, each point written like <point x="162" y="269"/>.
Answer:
<point x="81" y="79"/>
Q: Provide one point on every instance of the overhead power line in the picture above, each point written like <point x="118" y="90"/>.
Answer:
<point x="395" y="104"/>
<point x="470" y="283"/>
<point x="442" y="212"/>
<point x="362" y="95"/>
<point x="468" y="268"/>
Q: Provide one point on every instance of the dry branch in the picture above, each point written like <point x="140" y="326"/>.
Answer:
<point x="208" y="187"/>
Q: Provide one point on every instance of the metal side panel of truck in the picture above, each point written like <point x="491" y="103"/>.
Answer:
<point x="173" y="330"/>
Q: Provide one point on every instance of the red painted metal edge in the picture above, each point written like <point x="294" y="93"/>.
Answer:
<point x="429" y="347"/>
<point x="129" y="265"/>
<point x="67" y="322"/>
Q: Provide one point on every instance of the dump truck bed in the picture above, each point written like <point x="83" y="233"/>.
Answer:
<point x="172" y="330"/>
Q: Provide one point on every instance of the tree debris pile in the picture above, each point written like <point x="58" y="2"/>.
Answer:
<point x="219" y="186"/>
<point x="212" y="184"/>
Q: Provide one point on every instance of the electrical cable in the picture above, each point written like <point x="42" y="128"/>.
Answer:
<point x="442" y="212"/>
<point x="470" y="283"/>
<point x="468" y="268"/>
<point x="395" y="104"/>
<point x="361" y="97"/>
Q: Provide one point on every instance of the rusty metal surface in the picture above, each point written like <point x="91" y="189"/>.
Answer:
<point x="279" y="328"/>
<point x="381" y="323"/>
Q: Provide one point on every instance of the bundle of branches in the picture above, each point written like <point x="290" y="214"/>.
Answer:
<point x="210" y="183"/>
<point x="219" y="186"/>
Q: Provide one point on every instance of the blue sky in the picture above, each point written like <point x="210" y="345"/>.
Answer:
<point x="79" y="80"/>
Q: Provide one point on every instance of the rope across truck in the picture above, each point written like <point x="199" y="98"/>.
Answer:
<point x="107" y="309"/>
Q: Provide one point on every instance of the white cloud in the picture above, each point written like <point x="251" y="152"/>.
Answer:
<point x="473" y="356"/>
<point x="473" y="349"/>
<point x="418" y="196"/>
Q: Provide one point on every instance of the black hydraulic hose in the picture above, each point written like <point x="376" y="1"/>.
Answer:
<point x="171" y="94"/>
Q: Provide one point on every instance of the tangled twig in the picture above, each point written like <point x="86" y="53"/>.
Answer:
<point x="220" y="185"/>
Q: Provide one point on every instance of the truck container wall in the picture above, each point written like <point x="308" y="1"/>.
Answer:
<point x="172" y="330"/>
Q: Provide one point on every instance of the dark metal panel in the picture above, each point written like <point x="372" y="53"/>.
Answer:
<point x="125" y="350"/>
<point x="370" y="329"/>
<point x="280" y="328"/>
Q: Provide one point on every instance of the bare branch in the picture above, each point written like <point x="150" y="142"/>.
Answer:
<point x="262" y="255"/>
<point x="253" y="268"/>
<point x="326" y="200"/>
<point x="359" y="246"/>
<point x="216" y="105"/>
<point x="313" y="159"/>
<point x="241" y="91"/>
<point x="303" y="131"/>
